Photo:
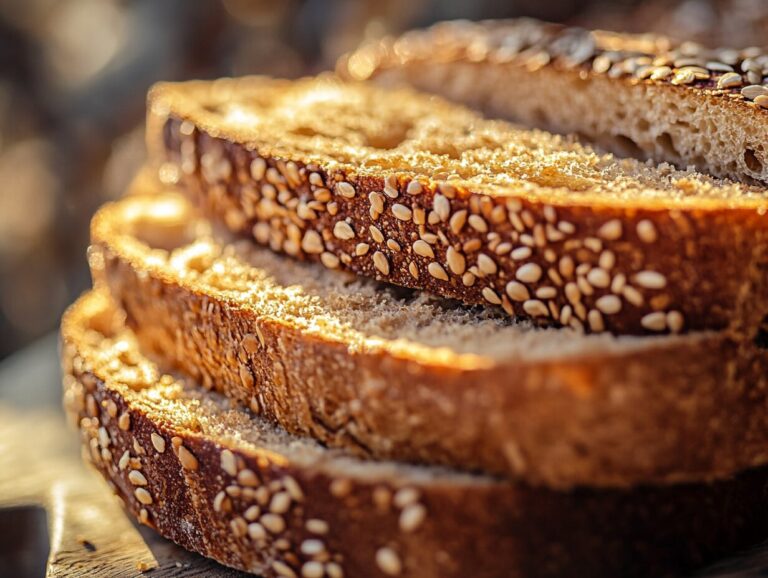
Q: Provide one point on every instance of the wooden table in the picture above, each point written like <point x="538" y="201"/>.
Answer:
<point x="58" y="518"/>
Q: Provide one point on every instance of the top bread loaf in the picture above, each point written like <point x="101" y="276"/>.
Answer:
<point x="419" y="192"/>
<point x="638" y="95"/>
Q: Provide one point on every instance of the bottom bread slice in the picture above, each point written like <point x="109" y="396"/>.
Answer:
<point x="222" y="482"/>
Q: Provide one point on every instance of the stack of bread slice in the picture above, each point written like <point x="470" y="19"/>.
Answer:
<point x="339" y="330"/>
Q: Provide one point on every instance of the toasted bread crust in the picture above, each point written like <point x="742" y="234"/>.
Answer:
<point x="625" y="265"/>
<point x="198" y="488"/>
<point x="639" y="94"/>
<point x="666" y="409"/>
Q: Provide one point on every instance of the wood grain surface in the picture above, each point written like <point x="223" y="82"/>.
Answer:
<point x="58" y="518"/>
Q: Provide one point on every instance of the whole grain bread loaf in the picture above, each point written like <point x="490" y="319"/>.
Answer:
<point x="222" y="482"/>
<point x="415" y="191"/>
<point x="387" y="372"/>
<point x="638" y="95"/>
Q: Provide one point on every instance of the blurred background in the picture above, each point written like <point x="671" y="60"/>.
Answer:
<point x="74" y="73"/>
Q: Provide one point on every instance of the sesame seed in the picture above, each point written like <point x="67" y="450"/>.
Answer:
<point x="137" y="478"/>
<point x="330" y="260"/>
<point x="187" y="459"/>
<point x="752" y="91"/>
<point x="656" y="321"/>
<point x="546" y="292"/>
<point x="239" y="527"/>
<point x="414" y="188"/>
<point x="729" y="80"/>
<point x="423" y="249"/>
<point x="595" y="320"/>
<point x="618" y="283"/>
<point x="650" y="280"/>
<point x="632" y="295"/>
<point x="611" y="231"/>
<point x="312" y="569"/>
<point x="258" y="168"/>
<point x="593" y="244"/>
<point x="273" y="523"/>
<point x="377" y="201"/>
<point x="608" y="304"/>
<point x="312" y="547"/>
<point x="486" y="264"/>
<point x="456" y="261"/>
<point x="762" y="101"/>
<point x="248" y="478"/>
<point x="401" y="212"/>
<point x="436" y="270"/>
<point x="256" y="531"/>
<point x="517" y="291"/>
<point x="280" y="503"/>
<point x="572" y="293"/>
<point x="388" y="561"/>
<point x="412" y="517"/>
<point x="252" y="513"/>
<point x="361" y="249"/>
<point x="521" y="253"/>
<point x="457" y="221"/>
<point x="405" y="497"/>
<point x="312" y="242"/>
<point x="316" y="526"/>
<point x="283" y="569"/>
<point x="334" y="570"/>
<point x="565" y="314"/>
<point x="535" y="308"/>
<point x="158" y="442"/>
<point x="472" y="245"/>
<point x="345" y="189"/>
<point x="478" y="223"/>
<point x="228" y="462"/>
<point x="442" y="207"/>
<point x="381" y="262"/>
<point x="598" y="277"/>
<point x="143" y="496"/>
<point x="413" y="269"/>
<point x="316" y="179"/>
<point x="491" y="296"/>
<point x="218" y="502"/>
<point x="566" y="227"/>
<point x="468" y="279"/>
<point x="104" y="439"/>
<point x="675" y="321"/>
<point x="144" y="516"/>
<point x="376" y="235"/>
<point x="341" y="487"/>
<point x="124" y="459"/>
<point x="529" y="273"/>
<point x="646" y="231"/>
<point x="342" y="230"/>
<point x="607" y="260"/>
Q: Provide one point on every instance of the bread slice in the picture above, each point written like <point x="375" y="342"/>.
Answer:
<point x="390" y="373"/>
<point x="360" y="179"/>
<point x="638" y="95"/>
<point x="226" y="484"/>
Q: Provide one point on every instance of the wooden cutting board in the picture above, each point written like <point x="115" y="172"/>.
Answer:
<point x="58" y="518"/>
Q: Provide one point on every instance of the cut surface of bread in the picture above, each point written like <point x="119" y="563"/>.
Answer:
<point x="415" y="191"/>
<point x="391" y="373"/>
<point x="222" y="482"/>
<point x="639" y="95"/>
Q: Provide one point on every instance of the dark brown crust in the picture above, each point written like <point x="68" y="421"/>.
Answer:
<point x="710" y="259"/>
<point x="679" y="409"/>
<point x="480" y="529"/>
